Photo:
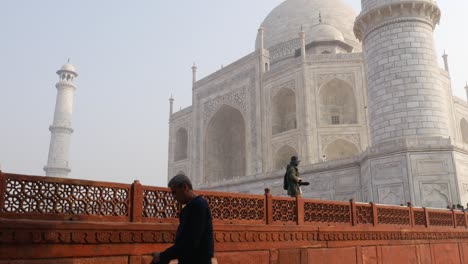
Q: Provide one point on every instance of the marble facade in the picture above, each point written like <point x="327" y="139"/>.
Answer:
<point x="364" y="91"/>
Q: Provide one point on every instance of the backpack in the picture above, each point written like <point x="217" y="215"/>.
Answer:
<point x="285" y="181"/>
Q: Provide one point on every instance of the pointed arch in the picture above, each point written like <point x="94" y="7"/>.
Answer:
<point x="284" y="111"/>
<point x="464" y="130"/>
<point x="181" y="143"/>
<point x="283" y="156"/>
<point x="225" y="145"/>
<point x="340" y="149"/>
<point x="337" y="103"/>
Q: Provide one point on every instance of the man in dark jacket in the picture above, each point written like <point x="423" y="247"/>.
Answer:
<point x="194" y="238"/>
<point x="294" y="188"/>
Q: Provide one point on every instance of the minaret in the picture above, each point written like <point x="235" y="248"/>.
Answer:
<point x="405" y="91"/>
<point x="61" y="130"/>
<point x="446" y="66"/>
<point x="194" y="73"/>
<point x="171" y="106"/>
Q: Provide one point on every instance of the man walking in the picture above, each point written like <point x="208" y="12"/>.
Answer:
<point x="194" y="238"/>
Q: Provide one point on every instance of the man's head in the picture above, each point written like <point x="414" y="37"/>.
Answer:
<point x="181" y="188"/>
<point x="294" y="161"/>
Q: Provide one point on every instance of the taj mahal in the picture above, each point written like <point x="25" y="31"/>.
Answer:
<point x="361" y="99"/>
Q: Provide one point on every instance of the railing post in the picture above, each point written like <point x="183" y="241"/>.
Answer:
<point x="427" y="223"/>
<point x="464" y="215"/>
<point x="299" y="210"/>
<point x="136" y="203"/>
<point x="411" y="214"/>
<point x="352" y="212"/>
<point x="268" y="207"/>
<point x="375" y="218"/>
<point x="454" y="218"/>
<point x="2" y="190"/>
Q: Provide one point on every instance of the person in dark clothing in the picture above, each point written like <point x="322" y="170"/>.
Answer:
<point x="294" y="182"/>
<point x="194" y="243"/>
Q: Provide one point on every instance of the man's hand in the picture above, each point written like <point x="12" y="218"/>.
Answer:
<point x="156" y="258"/>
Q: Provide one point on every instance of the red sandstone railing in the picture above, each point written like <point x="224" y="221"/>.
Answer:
<point x="46" y="198"/>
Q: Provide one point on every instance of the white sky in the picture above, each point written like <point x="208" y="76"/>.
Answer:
<point x="130" y="57"/>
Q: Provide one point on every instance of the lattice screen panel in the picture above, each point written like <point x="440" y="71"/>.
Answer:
<point x="326" y="213"/>
<point x="42" y="197"/>
<point x="392" y="216"/>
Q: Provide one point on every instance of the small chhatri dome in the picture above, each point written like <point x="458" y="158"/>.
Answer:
<point x="324" y="32"/>
<point x="68" y="67"/>
<point x="284" y="22"/>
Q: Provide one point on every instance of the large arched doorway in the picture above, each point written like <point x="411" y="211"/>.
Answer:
<point x="464" y="130"/>
<point x="180" y="150"/>
<point x="337" y="104"/>
<point x="284" y="111"/>
<point x="283" y="157"/>
<point x="225" y="143"/>
<point x="340" y="149"/>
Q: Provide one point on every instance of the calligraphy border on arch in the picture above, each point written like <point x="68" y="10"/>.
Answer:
<point x="291" y="84"/>
<point x="346" y="77"/>
<point x="236" y="98"/>
<point x="292" y="142"/>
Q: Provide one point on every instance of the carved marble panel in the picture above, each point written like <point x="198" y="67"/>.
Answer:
<point x="465" y="187"/>
<point x="387" y="171"/>
<point x="391" y="194"/>
<point x="345" y="181"/>
<point x="435" y="194"/>
<point x="432" y="167"/>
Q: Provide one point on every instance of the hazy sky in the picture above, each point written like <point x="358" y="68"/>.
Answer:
<point x="130" y="57"/>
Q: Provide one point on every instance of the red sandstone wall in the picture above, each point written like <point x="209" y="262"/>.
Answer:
<point x="51" y="220"/>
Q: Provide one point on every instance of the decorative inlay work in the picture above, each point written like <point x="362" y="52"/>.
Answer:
<point x="353" y="138"/>
<point x="326" y="213"/>
<point x="284" y="49"/>
<point x="236" y="99"/>
<point x="390" y="216"/>
<point x="337" y="58"/>
<point x="291" y="84"/>
<point x="346" y="77"/>
<point x="159" y="204"/>
<point x="43" y="197"/>
<point x="284" y="211"/>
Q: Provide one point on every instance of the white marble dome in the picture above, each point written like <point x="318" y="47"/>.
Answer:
<point x="284" y="22"/>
